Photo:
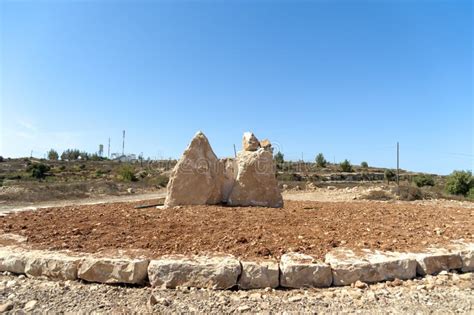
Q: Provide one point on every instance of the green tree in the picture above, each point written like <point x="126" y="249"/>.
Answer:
<point x="53" y="155"/>
<point x="320" y="160"/>
<point x="346" y="166"/>
<point x="389" y="175"/>
<point x="364" y="164"/>
<point x="279" y="158"/>
<point x="460" y="182"/>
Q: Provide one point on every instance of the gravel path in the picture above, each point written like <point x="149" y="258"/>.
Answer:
<point x="442" y="294"/>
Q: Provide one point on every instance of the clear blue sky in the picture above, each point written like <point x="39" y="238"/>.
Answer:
<point x="346" y="78"/>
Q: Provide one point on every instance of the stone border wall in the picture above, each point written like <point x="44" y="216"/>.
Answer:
<point x="294" y="270"/>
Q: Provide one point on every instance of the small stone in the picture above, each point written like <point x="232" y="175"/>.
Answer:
<point x="30" y="305"/>
<point x="250" y="142"/>
<point x="244" y="308"/>
<point x="296" y="298"/>
<point x="466" y="276"/>
<point x="11" y="283"/>
<point x="360" y="285"/>
<point x="5" y="307"/>
<point x="130" y="190"/>
<point x="21" y="277"/>
<point x="152" y="301"/>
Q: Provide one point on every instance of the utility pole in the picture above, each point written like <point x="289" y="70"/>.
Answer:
<point x="108" y="150"/>
<point x="235" y="152"/>
<point x="123" y="143"/>
<point x="398" y="164"/>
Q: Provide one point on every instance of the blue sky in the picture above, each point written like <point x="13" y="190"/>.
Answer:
<point x="346" y="78"/>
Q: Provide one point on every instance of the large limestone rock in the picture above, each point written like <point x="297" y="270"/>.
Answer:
<point x="250" y="142"/>
<point x="52" y="266"/>
<point x="12" y="260"/>
<point x="211" y="272"/>
<point x="300" y="271"/>
<point x="369" y="266"/>
<point x="259" y="275"/>
<point x="107" y="270"/>
<point x="255" y="183"/>
<point x="197" y="177"/>
<point x="435" y="260"/>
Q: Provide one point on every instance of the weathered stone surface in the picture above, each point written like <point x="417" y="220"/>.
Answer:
<point x="250" y="142"/>
<point x="52" y="265"/>
<point x="300" y="270"/>
<point x="12" y="260"/>
<point x="255" y="184"/>
<point x="213" y="272"/>
<point x="105" y="270"/>
<point x="369" y="266"/>
<point x="434" y="260"/>
<point x="230" y="172"/>
<point x="266" y="144"/>
<point x="197" y="177"/>
<point x="466" y="252"/>
<point x="259" y="275"/>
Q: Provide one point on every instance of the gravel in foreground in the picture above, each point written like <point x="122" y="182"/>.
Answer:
<point x="442" y="294"/>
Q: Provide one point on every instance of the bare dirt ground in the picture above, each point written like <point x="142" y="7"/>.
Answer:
<point x="15" y="206"/>
<point x="447" y="293"/>
<point x="256" y="232"/>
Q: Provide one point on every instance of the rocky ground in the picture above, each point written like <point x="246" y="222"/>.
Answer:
<point x="441" y="294"/>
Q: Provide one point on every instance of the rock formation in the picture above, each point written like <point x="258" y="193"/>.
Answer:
<point x="198" y="176"/>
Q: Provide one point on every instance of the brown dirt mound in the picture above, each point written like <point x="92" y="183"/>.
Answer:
<point x="309" y="227"/>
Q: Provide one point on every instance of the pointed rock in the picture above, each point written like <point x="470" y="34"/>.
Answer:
<point x="197" y="177"/>
<point x="250" y="142"/>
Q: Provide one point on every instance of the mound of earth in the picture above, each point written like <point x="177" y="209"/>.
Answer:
<point x="309" y="227"/>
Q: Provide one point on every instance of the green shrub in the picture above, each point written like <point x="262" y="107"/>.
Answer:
<point x="409" y="193"/>
<point x="62" y="168"/>
<point x="127" y="174"/>
<point x="423" y="180"/>
<point x="389" y="175"/>
<point x="364" y="164"/>
<point x="346" y="166"/>
<point x="38" y="171"/>
<point x="460" y="183"/>
<point x="470" y="194"/>
<point x="320" y="160"/>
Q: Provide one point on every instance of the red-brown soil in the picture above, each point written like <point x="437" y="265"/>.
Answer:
<point x="309" y="227"/>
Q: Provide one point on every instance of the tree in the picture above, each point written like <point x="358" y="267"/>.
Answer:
<point x="101" y="149"/>
<point x="346" y="166"/>
<point x="320" y="160"/>
<point x="389" y="175"/>
<point x="53" y="155"/>
<point x="279" y="158"/>
<point x="364" y="164"/>
<point x="460" y="182"/>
